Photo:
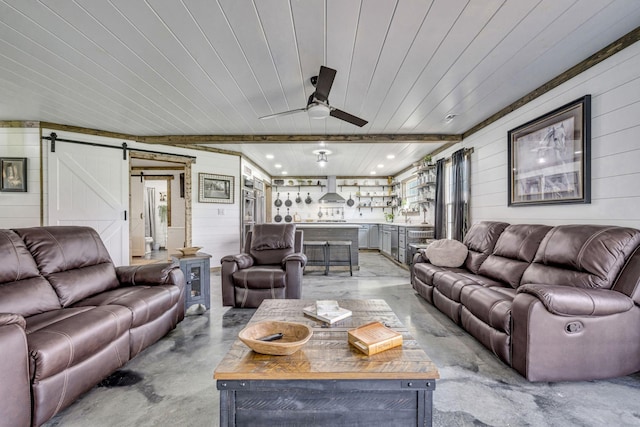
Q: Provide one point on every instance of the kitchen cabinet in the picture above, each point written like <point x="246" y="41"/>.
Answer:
<point x="402" y="240"/>
<point x="363" y="236"/>
<point x="374" y="236"/>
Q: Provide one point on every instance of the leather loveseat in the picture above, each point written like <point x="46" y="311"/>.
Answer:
<point x="69" y="317"/>
<point x="555" y="303"/>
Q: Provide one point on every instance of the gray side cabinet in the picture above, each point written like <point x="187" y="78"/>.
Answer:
<point x="197" y="274"/>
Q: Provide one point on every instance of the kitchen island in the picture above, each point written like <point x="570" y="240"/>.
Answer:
<point x="332" y="231"/>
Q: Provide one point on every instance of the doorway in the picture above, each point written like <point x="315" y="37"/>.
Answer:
<point x="160" y="203"/>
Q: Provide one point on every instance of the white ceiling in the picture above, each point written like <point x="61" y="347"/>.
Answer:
<point x="204" y="67"/>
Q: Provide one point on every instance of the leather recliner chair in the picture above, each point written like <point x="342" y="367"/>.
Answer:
<point x="271" y="266"/>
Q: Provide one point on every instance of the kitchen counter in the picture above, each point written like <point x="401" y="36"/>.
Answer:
<point x="326" y="231"/>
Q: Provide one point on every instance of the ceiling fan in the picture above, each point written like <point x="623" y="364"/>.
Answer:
<point x="318" y="104"/>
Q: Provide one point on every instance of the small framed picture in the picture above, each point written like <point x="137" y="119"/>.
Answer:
<point x="215" y="188"/>
<point x="14" y="174"/>
<point x="550" y="157"/>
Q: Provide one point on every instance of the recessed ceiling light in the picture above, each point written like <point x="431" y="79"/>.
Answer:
<point x="380" y="166"/>
<point x="373" y="172"/>
<point x="284" y="172"/>
<point x="322" y="144"/>
<point x="277" y="165"/>
<point x="391" y="156"/>
<point x="269" y="156"/>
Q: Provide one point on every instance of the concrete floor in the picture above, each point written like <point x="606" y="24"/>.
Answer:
<point x="170" y="384"/>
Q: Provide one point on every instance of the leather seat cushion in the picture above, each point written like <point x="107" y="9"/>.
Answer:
<point x="425" y="272"/>
<point x="450" y="283"/>
<point x="145" y="303"/>
<point x="63" y="338"/>
<point x="260" y="277"/>
<point x="491" y="305"/>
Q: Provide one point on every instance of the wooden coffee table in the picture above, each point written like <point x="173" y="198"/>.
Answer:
<point x="327" y="382"/>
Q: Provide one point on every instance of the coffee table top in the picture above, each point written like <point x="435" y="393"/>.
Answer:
<point x="328" y="355"/>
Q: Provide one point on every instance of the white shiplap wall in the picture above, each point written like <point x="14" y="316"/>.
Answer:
<point x="21" y="209"/>
<point x="614" y="86"/>
<point x="216" y="227"/>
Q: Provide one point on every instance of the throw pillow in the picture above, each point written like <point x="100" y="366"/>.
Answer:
<point x="446" y="253"/>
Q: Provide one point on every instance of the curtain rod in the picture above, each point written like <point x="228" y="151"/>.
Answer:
<point x="53" y="137"/>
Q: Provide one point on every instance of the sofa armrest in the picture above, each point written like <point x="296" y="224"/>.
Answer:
<point x="570" y="301"/>
<point x="15" y="387"/>
<point x="420" y="256"/>
<point x="7" y="319"/>
<point x="298" y="257"/>
<point x="150" y="275"/>
<point x="242" y="260"/>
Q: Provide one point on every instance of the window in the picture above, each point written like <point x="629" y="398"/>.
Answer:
<point x="411" y="193"/>
<point x="456" y="198"/>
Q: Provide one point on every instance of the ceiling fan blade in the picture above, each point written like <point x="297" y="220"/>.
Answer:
<point x="325" y="81"/>
<point x="342" y="115"/>
<point x="284" y="113"/>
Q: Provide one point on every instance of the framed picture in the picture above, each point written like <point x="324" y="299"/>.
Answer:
<point x="14" y="174"/>
<point x="215" y="188"/>
<point x="550" y="157"/>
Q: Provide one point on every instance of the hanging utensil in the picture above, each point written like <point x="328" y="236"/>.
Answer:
<point x="308" y="199"/>
<point x="298" y="198"/>
<point x="288" y="202"/>
<point x="288" y="217"/>
<point x="278" y="202"/>
<point x="350" y="202"/>
<point x="320" y="213"/>
<point x="278" y="217"/>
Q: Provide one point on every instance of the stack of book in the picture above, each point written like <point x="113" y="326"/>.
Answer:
<point x="373" y="338"/>
<point x="327" y="311"/>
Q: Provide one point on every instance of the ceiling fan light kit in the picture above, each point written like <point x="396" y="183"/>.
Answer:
<point x="318" y="106"/>
<point x="318" y="111"/>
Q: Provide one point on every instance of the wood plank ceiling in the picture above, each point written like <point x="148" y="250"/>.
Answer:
<point x="204" y="67"/>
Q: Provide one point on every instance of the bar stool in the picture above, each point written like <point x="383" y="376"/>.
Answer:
<point x="340" y="243"/>
<point x="325" y="253"/>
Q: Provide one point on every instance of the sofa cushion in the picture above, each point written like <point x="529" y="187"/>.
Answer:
<point x="480" y="241"/>
<point x="513" y="252"/>
<point x="450" y="283"/>
<point x="260" y="277"/>
<point x="446" y="253"/>
<point x="492" y="305"/>
<point x="583" y="256"/>
<point x="63" y="338"/>
<point x="270" y="243"/>
<point x="73" y="259"/>
<point x="145" y="303"/>
<point x="22" y="289"/>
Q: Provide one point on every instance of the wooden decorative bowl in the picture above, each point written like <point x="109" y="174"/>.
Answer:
<point x="190" y="251"/>
<point x="295" y="335"/>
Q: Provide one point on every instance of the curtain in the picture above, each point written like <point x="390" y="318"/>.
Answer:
<point x="440" y="230"/>
<point x="150" y="213"/>
<point x="459" y="194"/>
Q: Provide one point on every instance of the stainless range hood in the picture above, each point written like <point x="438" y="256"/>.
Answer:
<point x="331" y="196"/>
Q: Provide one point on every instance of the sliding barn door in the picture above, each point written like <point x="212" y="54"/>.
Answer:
<point x="89" y="186"/>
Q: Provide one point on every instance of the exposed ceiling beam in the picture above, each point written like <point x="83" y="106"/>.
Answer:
<point x="271" y="139"/>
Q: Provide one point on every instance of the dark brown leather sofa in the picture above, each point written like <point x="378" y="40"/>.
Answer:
<point x="555" y="303"/>
<point x="271" y="266"/>
<point x="69" y="317"/>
